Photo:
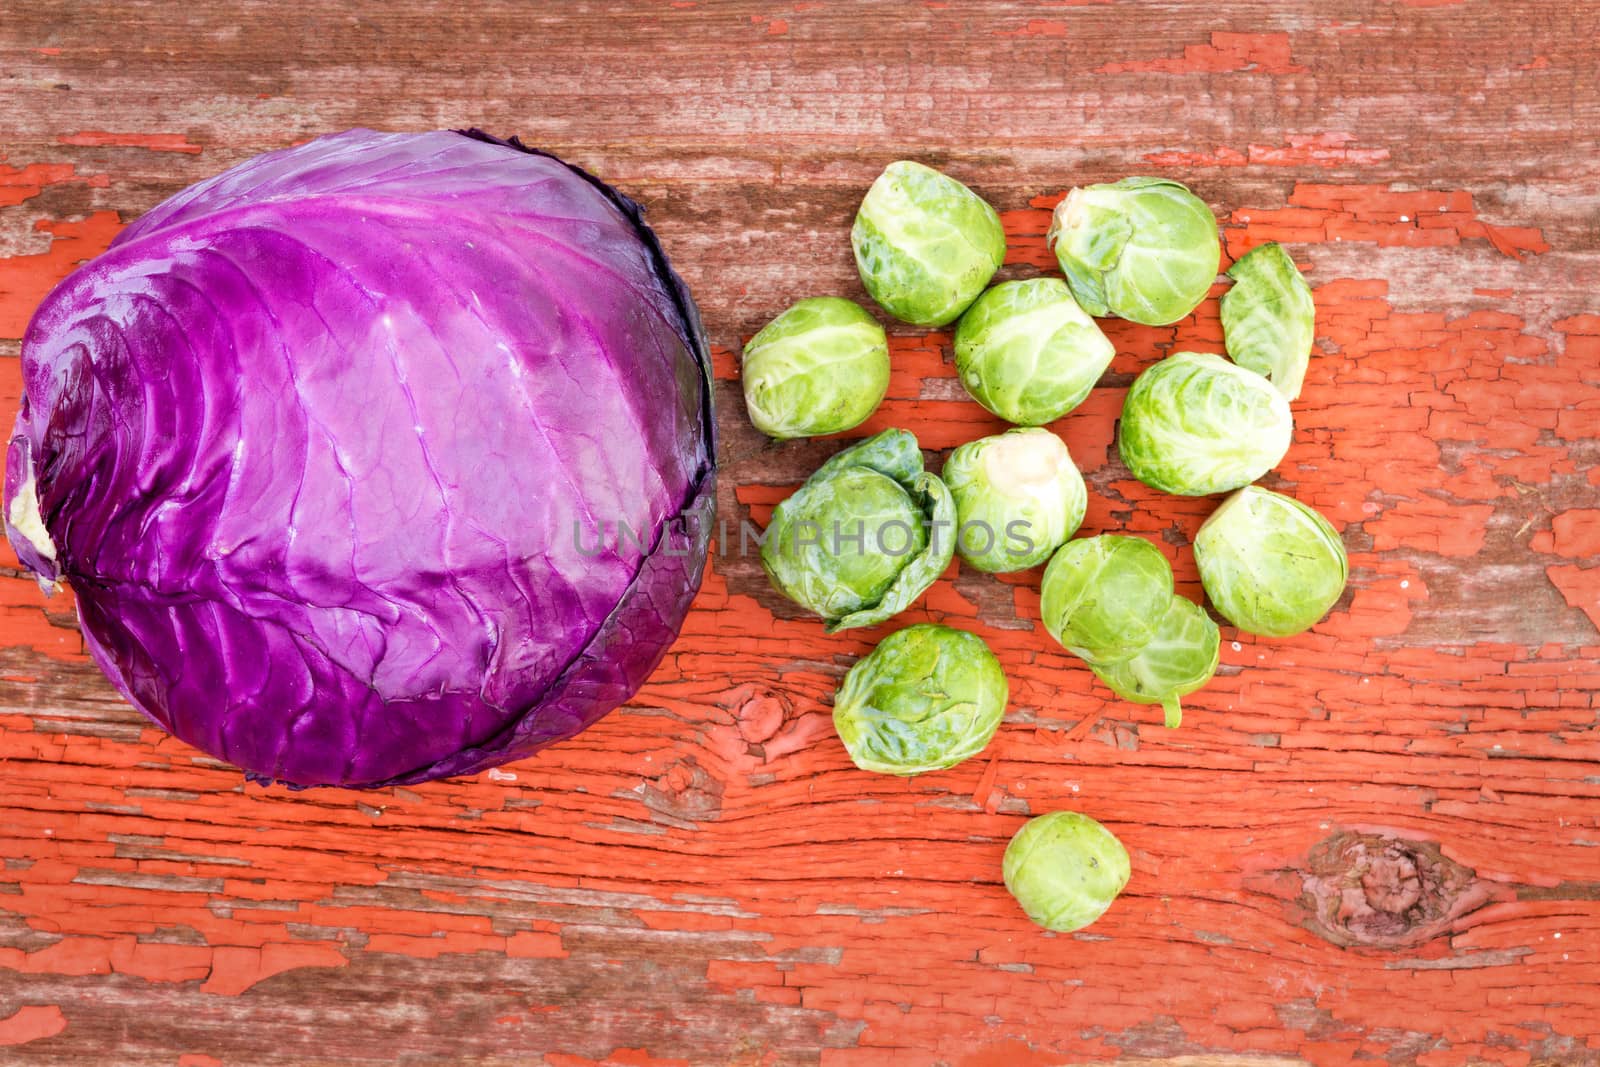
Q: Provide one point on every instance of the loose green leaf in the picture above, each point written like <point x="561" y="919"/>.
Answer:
<point x="1268" y="318"/>
<point x="922" y="567"/>
<point x="1180" y="658"/>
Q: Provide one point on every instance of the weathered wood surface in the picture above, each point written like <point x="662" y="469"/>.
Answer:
<point x="1375" y="841"/>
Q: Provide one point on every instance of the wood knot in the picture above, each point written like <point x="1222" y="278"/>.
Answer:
<point x="1392" y="883"/>
<point x="758" y="713"/>
<point x="760" y="718"/>
<point x="1384" y="891"/>
<point x="685" y="794"/>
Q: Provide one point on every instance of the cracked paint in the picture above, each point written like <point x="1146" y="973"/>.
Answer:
<point x="1403" y="797"/>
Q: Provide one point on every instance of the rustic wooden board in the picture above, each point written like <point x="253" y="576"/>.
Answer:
<point x="1374" y="841"/>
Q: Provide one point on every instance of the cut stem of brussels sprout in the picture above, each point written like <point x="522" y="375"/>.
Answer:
<point x="1103" y="597"/>
<point x="1180" y="658"/>
<point x="925" y="244"/>
<point x="1018" y="498"/>
<point x="1195" y="424"/>
<point x="1026" y="351"/>
<point x="1270" y="564"/>
<point x="1268" y="318"/>
<point x="865" y="535"/>
<point x="1065" y="869"/>
<point x="820" y="367"/>
<point x="925" y="699"/>
<point x="1143" y="249"/>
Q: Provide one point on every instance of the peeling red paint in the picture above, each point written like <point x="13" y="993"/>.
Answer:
<point x="1580" y="587"/>
<point x="235" y="968"/>
<point x="20" y="185"/>
<point x="70" y="955"/>
<point x="24" y="280"/>
<point x="17" y="186"/>
<point x="983" y="793"/>
<point x="1037" y="28"/>
<point x="155" y="142"/>
<point x="619" y="1057"/>
<point x="157" y="962"/>
<point x="1314" y="150"/>
<point x="1010" y="1054"/>
<point x="1577" y="534"/>
<point x="1257" y="53"/>
<point x="32" y="1022"/>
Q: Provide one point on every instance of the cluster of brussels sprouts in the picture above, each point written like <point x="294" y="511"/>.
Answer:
<point x="872" y="529"/>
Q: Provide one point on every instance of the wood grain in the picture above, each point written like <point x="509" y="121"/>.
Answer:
<point x="1374" y="841"/>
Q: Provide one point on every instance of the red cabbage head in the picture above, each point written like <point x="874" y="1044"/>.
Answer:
<point x="374" y="460"/>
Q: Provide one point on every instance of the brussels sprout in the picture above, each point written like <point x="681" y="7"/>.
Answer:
<point x="1027" y="352"/>
<point x="926" y="698"/>
<point x="1270" y="564"/>
<point x="1143" y="249"/>
<point x="1065" y="869"/>
<point x="866" y="534"/>
<point x="1180" y="658"/>
<point x="1268" y="318"/>
<point x="925" y="244"/>
<point x="1103" y="597"/>
<point x="1018" y="498"/>
<point x="1195" y="424"/>
<point x="820" y="367"/>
